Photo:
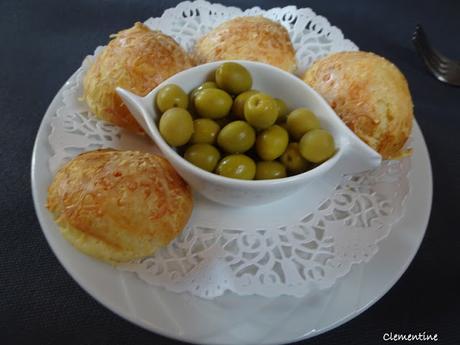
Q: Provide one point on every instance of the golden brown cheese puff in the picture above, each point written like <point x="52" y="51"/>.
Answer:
<point x="248" y="38"/>
<point x="137" y="59"/>
<point x="370" y="95"/>
<point x="119" y="205"/>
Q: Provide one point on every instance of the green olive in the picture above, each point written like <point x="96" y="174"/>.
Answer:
<point x="293" y="160"/>
<point x="300" y="121"/>
<point x="238" y="104"/>
<point x="237" y="166"/>
<point x="270" y="170"/>
<point x="171" y="96"/>
<point x="204" y="131"/>
<point x="233" y="78"/>
<point x="317" y="145"/>
<point x="176" y="126"/>
<point x="282" y="110"/>
<point x="204" y="156"/>
<point x="205" y="85"/>
<point x="260" y="110"/>
<point x="272" y="142"/>
<point x="236" y="137"/>
<point x="213" y="103"/>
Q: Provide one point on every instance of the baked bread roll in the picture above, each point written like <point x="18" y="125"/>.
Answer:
<point x="119" y="205"/>
<point x="248" y="38"/>
<point x="137" y="59"/>
<point x="370" y="95"/>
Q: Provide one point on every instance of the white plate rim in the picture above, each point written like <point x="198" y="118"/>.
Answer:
<point x="98" y="295"/>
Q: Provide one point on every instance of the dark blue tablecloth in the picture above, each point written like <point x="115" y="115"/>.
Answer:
<point x="43" y="42"/>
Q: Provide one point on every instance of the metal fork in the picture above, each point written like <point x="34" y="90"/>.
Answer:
<point x="443" y="68"/>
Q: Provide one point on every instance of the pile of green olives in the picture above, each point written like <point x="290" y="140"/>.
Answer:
<point x="225" y="127"/>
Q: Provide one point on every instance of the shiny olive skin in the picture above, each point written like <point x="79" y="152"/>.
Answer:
<point x="270" y="170"/>
<point x="236" y="137"/>
<point x="204" y="131"/>
<point x="317" y="145"/>
<point x="300" y="121"/>
<point x="272" y="142"/>
<point x="213" y="103"/>
<point x="204" y="156"/>
<point x="233" y="78"/>
<point x="283" y="110"/>
<point x="237" y="166"/>
<point x="176" y="126"/>
<point x="205" y="85"/>
<point x="293" y="160"/>
<point x="171" y="96"/>
<point x="260" y="110"/>
<point x="238" y="103"/>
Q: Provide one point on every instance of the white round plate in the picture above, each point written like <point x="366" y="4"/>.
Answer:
<point x="233" y="319"/>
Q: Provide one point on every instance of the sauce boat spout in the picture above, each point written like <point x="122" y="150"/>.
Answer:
<point x="139" y="109"/>
<point x="357" y="156"/>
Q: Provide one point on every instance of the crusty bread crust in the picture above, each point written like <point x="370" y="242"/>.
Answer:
<point x="370" y="95"/>
<point x="119" y="205"/>
<point x="137" y="59"/>
<point x="248" y="38"/>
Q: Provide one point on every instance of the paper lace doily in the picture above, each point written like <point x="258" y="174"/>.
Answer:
<point x="278" y="249"/>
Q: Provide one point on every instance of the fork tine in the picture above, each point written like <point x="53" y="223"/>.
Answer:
<point x="432" y="66"/>
<point x="426" y="55"/>
<point x="443" y="68"/>
<point x="432" y="57"/>
<point x="423" y="39"/>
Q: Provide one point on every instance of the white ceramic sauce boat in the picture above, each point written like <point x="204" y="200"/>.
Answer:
<point x="352" y="155"/>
